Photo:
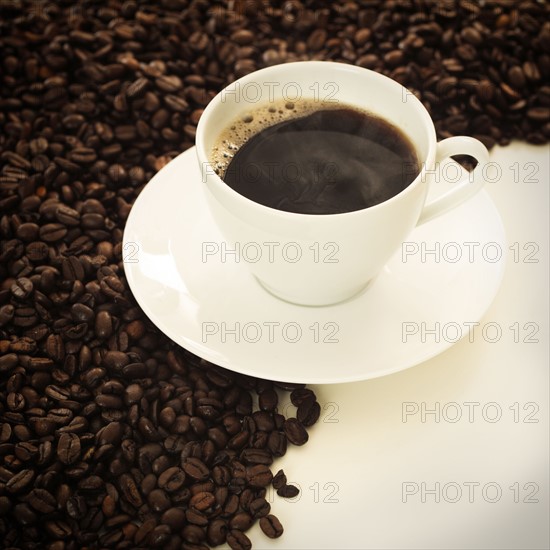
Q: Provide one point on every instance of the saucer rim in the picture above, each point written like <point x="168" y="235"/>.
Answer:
<point x="212" y="356"/>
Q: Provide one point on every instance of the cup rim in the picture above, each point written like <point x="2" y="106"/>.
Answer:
<point x="225" y="189"/>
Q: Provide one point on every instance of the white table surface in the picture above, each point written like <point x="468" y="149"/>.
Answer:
<point x="376" y="475"/>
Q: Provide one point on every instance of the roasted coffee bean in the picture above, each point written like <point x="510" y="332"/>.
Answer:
<point x="193" y="534"/>
<point x="22" y="288"/>
<point x="221" y="475"/>
<point x="134" y="370"/>
<point x="42" y="426"/>
<point x="279" y="480"/>
<point x="20" y="481"/>
<point x="277" y="443"/>
<point x="5" y="431"/>
<point x="6" y="315"/>
<point x="257" y="456"/>
<point x="174" y="518"/>
<point x="258" y="475"/>
<point x="67" y="215"/>
<point x="172" y="479"/>
<point x="103" y="325"/>
<point x="90" y="483"/>
<point x="58" y="529"/>
<point x="129" y="490"/>
<point x="195" y="468"/>
<point x="167" y="416"/>
<point x="72" y="269"/>
<point x="15" y="401"/>
<point x="259" y="440"/>
<point x="82" y="313"/>
<point x="82" y="155"/>
<point x="158" y="501"/>
<point x="148" y="483"/>
<point x="55" y="347"/>
<point x="147" y="428"/>
<point x="472" y="36"/>
<point x="5" y="505"/>
<point x="271" y="526"/>
<point x="28" y="231"/>
<point x="147" y="455"/>
<point x="202" y="500"/>
<point x="298" y="396"/>
<point x="42" y="501"/>
<point x="108" y="506"/>
<point x="263" y="420"/>
<point x="295" y="431"/>
<point x="176" y="103"/>
<point x="242" y="37"/>
<point x="221" y="494"/>
<point x="531" y="71"/>
<point x="106" y="401"/>
<point x="288" y="491"/>
<point x="259" y="508"/>
<point x="541" y="114"/>
<point x="169" y="83"/>
<point x="52" y="232"/>
<point x="68" y="448"/>
<point x="241" y="521"/>
<point x="144" y="531"/>
<point x="245" y="498"/>
<point x="115" y="360"/>
<point x="24" y="515"/>
<point x="57" y="393"/>
<point x="237" y="540"/>
<point x="110" y="434"/>
<point x="137" y="88"/>
<point x="204" y="486"/>
<point x="159" y="536"/>
<point x="196" y="517"/>
<point x="308" y="412"/>
<point x="217" y="532"/>
<point x="268" y="400"/>
<point x="76" y="507"/>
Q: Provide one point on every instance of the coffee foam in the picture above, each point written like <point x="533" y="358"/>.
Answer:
<point x="259" y="118"/>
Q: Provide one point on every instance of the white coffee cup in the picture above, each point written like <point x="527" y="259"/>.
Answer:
<point x="323" y="259"/>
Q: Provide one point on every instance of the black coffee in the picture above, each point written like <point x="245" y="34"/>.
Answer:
<point x="328" y="161"/>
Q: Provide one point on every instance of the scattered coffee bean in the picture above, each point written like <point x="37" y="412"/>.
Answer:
<point x="288" y="491"/>
<point x="271" y="526"/>
<point x="295" y="431"/>
<point x="308" y="412"/>
<point x="259" y="508"/>
<point x="279" y="480"/>
<point x="241" y="521"/>
<point x="237" y="540"/>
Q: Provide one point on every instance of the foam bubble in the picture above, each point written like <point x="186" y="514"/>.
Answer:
<point x="253" y="122"/>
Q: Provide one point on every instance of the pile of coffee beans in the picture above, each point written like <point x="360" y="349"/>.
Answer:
<point x="110" y="435"/>
<point x="103" y="448"/>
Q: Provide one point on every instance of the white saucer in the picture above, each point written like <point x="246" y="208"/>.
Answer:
<point x="205" y="306"/>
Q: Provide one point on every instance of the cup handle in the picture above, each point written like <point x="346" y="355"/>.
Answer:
<point x="468" y="186"/>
